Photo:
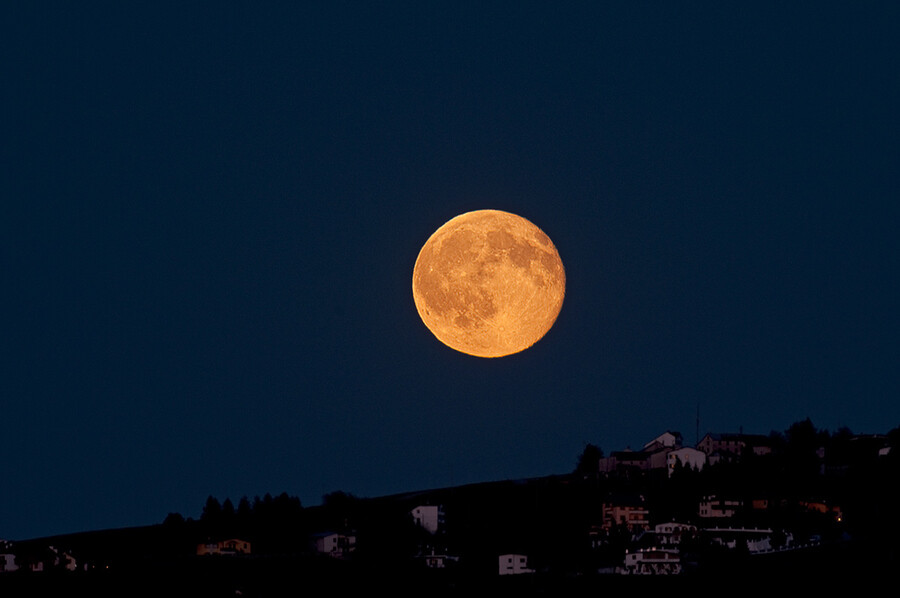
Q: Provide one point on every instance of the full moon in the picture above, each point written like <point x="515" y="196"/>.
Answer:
<point x="489" y="283"/>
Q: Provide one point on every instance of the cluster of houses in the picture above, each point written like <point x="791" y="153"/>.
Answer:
<point x="231" y="546"/>
<point x="663" y="456"/>
<point x="51" y="558"/>
<point x="716" y="518"/>
<point x="665" y="453"/>
<point x="631" y="512"/>
<point x="714" y="514"/>
<point x="341" y="545"/>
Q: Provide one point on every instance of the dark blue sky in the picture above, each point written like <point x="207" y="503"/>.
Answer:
<point x="211" y="215"/>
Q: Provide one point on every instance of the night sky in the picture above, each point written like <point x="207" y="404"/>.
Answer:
<point x="210" y="217"/>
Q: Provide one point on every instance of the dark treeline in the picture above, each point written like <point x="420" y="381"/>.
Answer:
<point x="270" y="523"/>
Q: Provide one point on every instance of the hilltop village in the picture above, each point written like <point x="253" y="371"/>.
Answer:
<point x="731" y="504"/>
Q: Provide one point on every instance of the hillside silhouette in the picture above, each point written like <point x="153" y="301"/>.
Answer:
<point x="830" y="493"/>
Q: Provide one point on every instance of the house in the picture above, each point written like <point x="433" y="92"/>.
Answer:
<point x="657" y="461"/>
<point x="715" y="507"/>
<point x="716" y="457"/>
<point x="629" y="511"/>
<point x="513" y="564"/>
<point x="652" y="456"/>
<point x="438" y="561"/>
<point x="597" y="536"/>
<point x="652" y="561"/>
<point x="734" y="446"/>
<point x="660" y="448"/>
<point x="35" y="559"/>
<point x="868" y="446"/>
<point x="7" y="558"/>
<point x="666" y="440"/>
<point x="63" y="559"/>
<point x="689" y="457"/>
<point x="334" y="544"/>
<point x="625" y="463"/>
<point x="8" y="562"/>
<point x="755" y="539"/>
<point x="429" y="517"/>
<point x="230" y="547"/>
<point x="756" y="545"/>
<point x="672" y="533"/>
<point x="821" y="507"/>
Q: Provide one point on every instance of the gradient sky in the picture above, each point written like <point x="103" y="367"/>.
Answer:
<point x="211" y="215"/>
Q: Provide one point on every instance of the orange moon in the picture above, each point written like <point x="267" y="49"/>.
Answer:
<point x="489" y="283"/>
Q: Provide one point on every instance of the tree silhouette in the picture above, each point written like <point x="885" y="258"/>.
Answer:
<point x="174" y="519"/>
<point x="802" y="457"/>
<point x="212" y="510"/>
<point x="589" y="460"/>
<point x="244" y="513"/>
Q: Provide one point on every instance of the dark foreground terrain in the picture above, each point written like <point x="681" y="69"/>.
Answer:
<point x="840" y="511"/>
<point x="296" y="576"/>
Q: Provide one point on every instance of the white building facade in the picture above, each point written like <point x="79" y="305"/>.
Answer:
<point x="655" y="561"/>
<point x="715" y="507"/>
<point x="8" y="562"/>
<point x="430" y="517"/>
<point x="334" y="544"/>
<point x="513" y="564"/>
<point x="672" y="533"/>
